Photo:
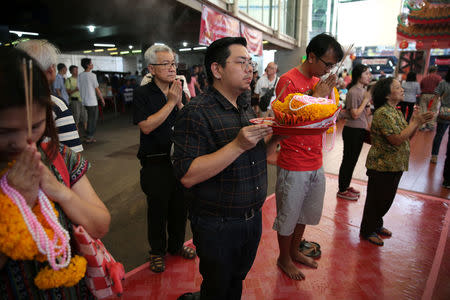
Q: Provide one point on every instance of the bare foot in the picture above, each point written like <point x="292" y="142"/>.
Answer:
<point x="303" y="259"/>
<point x="290" y="269"/>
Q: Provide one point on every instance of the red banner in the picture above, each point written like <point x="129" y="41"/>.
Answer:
<point x="254" y="39"/>
<point x="215" y="25"/>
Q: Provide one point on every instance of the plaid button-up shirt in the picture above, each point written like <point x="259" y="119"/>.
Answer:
<point x="206" y="124"/>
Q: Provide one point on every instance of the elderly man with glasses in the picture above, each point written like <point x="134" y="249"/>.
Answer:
<point x="156" y="105"/>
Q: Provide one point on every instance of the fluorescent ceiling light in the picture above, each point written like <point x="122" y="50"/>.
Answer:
<point x="136" y="51"/>
<point x="124" y="52"/>
<point x="265" y="42"/>
<point x="200" y="48"/>
<point x="98" y="50"/>
<point x="20" y="33"/>
<point x="184" y="49"/>
<point x="111" y="49"/>
<point x="159" y="44"/>
<point x="104" y="45"/>
<point x="114" y="53"/>
<point x="87" y="51"/>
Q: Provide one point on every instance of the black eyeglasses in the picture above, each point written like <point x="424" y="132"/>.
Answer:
<point x="167" y="65"/>
<point x="245" y="64"/>
<point x="327" y="64"/>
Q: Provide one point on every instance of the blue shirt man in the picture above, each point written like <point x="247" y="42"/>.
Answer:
<point x="59" y="88"/>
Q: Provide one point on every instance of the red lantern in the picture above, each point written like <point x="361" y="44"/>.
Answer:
<point x="403" y="44"/>
<point x="419" y="45"/>
<point x="434" y="44"/>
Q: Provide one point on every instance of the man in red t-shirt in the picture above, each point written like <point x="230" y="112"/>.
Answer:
<point x="427" y="86"/>
<point x="300" y="187"/>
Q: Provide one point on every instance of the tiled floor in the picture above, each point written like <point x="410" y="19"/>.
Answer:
<point x="413" y="264"/>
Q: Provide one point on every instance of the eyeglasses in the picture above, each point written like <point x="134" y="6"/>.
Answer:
<point x="327" y="64"/>
<point x="245" y="64"/>
<point x="167" y="65"/>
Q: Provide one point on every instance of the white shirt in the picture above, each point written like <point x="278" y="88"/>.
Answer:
<point x="412" y="89"/>
<point x="87" y="83"/>
<point x="263" y="85"/>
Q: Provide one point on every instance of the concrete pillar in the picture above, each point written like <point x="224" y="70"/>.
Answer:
<point x="287" y="59"/>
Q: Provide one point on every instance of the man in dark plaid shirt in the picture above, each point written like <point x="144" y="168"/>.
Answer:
<point x="221" y="158"/>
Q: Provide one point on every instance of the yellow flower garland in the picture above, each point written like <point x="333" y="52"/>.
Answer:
<point x="47" y="278"/>
<point x="17" y="243"/>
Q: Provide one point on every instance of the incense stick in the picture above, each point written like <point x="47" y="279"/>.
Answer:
<point x="345" y="56"/>
<point x="30" y="98"/>
<point x="27" y="95"/>
<point x="28" y="87"/>
<point x="282" y="90"/>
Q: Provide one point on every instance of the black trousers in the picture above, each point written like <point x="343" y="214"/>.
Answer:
<point x="381" y="190"/>
<point x="410" y="106"/>
<point x="166" y="211"/>
<point x="447" y="160"/>
<point x="226" y="248"/>
<point x="353" y="141"/>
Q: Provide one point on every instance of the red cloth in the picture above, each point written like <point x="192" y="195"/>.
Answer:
<point x="299" y="152"/>
<point x="429" y="83"/>
<point x="347" y="79"/>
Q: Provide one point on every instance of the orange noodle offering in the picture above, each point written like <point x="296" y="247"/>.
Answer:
<point x="299" y="109"/>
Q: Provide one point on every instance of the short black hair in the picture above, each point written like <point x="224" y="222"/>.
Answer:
<point x="320" y="44"/>
<point x="412" y="76"/>
<point x="219" y="51"/>
<point x="381" y="90"/>
<point x="72" y="67"/>
<point x="85" y="62"/>
<point x="60" y="66"/>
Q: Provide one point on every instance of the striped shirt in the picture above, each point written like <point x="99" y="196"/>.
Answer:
<point x="65" y="125"/>
<point x="206" y="124"/>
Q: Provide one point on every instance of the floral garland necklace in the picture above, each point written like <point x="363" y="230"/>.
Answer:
<point x="36" y="234"/>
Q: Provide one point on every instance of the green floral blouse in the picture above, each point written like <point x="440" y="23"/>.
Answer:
<point x="383" y="156"/>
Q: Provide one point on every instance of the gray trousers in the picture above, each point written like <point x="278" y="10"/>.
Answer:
<point x="92" y="117"/>
<point x="78" y="111"/>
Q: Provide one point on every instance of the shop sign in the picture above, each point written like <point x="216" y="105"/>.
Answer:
<point x="374" y="61"/>
<point x="442" y="61"/>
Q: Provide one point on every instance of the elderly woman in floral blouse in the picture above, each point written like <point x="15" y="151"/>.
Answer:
<point x="388" y="156"/>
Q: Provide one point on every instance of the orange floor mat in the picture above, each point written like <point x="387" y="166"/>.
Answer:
<point x="413" y="264"/>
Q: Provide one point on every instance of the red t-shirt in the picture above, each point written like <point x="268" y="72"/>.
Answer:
<point x="299" y="152"/>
